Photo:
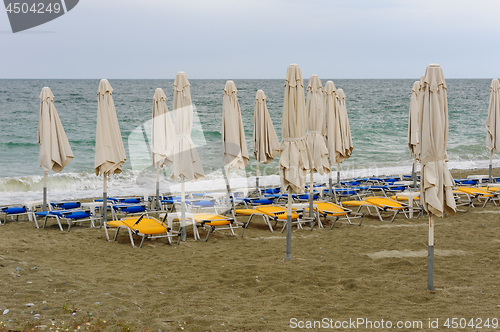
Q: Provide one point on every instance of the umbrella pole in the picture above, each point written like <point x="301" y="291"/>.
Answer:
<point x="257" y="179"/>
<point x="491" y="162"/>
<point x="183" y="210"/>
<point x="430" y="255"/>
<point x="414" y="172"/>
<point x="44" y="191"/>
<point x="157" y="186"/>
<point x="330" y="184"/>
<point x="311" y="186"/>
<point x="104" y="199"/>
<point x="228" y="189"/>
<point x="338" y="174"/>
<point x="289" y="226"/>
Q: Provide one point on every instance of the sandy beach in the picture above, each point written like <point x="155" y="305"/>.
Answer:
<point x="378" y="271"/>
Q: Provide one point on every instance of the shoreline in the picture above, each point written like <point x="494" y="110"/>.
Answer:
<point x="217" y="185"/>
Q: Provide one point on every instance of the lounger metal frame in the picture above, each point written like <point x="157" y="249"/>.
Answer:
<point x="169" y="234"/>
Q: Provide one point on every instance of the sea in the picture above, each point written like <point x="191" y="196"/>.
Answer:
<point x="377" y="109"/>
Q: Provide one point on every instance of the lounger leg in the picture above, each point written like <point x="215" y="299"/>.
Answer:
<point x="106" y="232"/>
<point x="69" y="225"/>
<point x="59" y="222"/>
<point x="131" y="238"/>
<point x="116" y="233"/>
<point x="142" y="241"/>
<point x="246" y="225"/>
<point x="394" y="216"/>
<point x="36" y="222"/>
<point x="333" y="224"/>
<point x="210" y="229"/>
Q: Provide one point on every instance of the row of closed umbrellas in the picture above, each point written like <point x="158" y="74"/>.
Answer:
<point x="171" y="145"/>
<point x="315" y="135"/>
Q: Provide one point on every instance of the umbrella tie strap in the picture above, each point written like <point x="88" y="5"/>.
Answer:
<point x="293" y="139"/>
<point x="430" y="160"/>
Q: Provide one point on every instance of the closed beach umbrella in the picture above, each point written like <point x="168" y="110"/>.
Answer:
<point x="294" y="162"/>
<point x="186" y="161"/>
<point x="162" y="134"/>
<point x="331" y="130"/>
<point x="109" y="150"/>
<point x="436" y="193"/>
<point x="234" y="146"/>
<point x="493" y="121"/>
<point x="266" y="145"/>
<point x="413" y="128"/>
<point x="315" y="141"/>
<point x="55" y="152"/>
<point x="343" y="146"/>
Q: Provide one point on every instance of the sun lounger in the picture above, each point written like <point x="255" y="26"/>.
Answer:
<point x="70" y="216"/>
<point x="251" y="213"/>
<point x="13" y="211"/>
<point x="279" y="213"/>
<point x="144" y="226"/>
<point x="380" y="205"/>
<point x="210" y="221"/>
<point x="335" y="212"/>
<point x="479" y="194"/>
<point x="127" y="209"/>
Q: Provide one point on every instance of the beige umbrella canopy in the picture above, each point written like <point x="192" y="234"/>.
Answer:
<point x="344" y="146"/>
<point x="109" y="150"/>
<point x="234" y="145"/>
<point x="331" y="130"/>
<point x="162" y="130"/>
<point x="436" y="193"/>
<point x="186" y="161"/>
<point x="55" y="152"/>
<point x="493" y="121"/>
<point x="294" y="163"/>
<point x="162" y="135"/>
<point x="315" y="141"/>
<point x="266" y="145"/>
<point x="413" y="119"/>
<point x="413" y="128"/>
<point x="235" y="153"/>
<point x="343" y="143"/>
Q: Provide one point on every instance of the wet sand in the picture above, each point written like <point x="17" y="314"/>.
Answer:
<point x="373" y="272"/>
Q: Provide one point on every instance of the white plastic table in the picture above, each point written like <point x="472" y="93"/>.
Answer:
<point x="410" y="195"/>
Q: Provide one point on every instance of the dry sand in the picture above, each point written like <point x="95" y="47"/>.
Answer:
<point x="375" y="271"/>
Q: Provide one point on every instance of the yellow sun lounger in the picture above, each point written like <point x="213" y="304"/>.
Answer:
<point x="267" y="212"/>
<point x="479" y="194"/>
<point x="491" y="189"/>
<point x="279" y="213"/>
<point x="143" y="226"/>
<point x="381" y="204"/>
<point x="217" y="221"/>
<point x="212" y="222"/>
<point x="334" y="211"/>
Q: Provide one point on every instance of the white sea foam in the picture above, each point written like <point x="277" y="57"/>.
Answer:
<point x="84" y="185"/>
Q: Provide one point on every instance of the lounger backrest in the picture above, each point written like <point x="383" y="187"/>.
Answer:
<point x="385" y="202"/>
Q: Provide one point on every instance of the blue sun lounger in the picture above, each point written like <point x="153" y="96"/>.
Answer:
<point x="13" y="211"/>
<point x="70" y="216"/>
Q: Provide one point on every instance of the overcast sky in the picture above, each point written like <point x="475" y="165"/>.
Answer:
<point x="258" y="39"/>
